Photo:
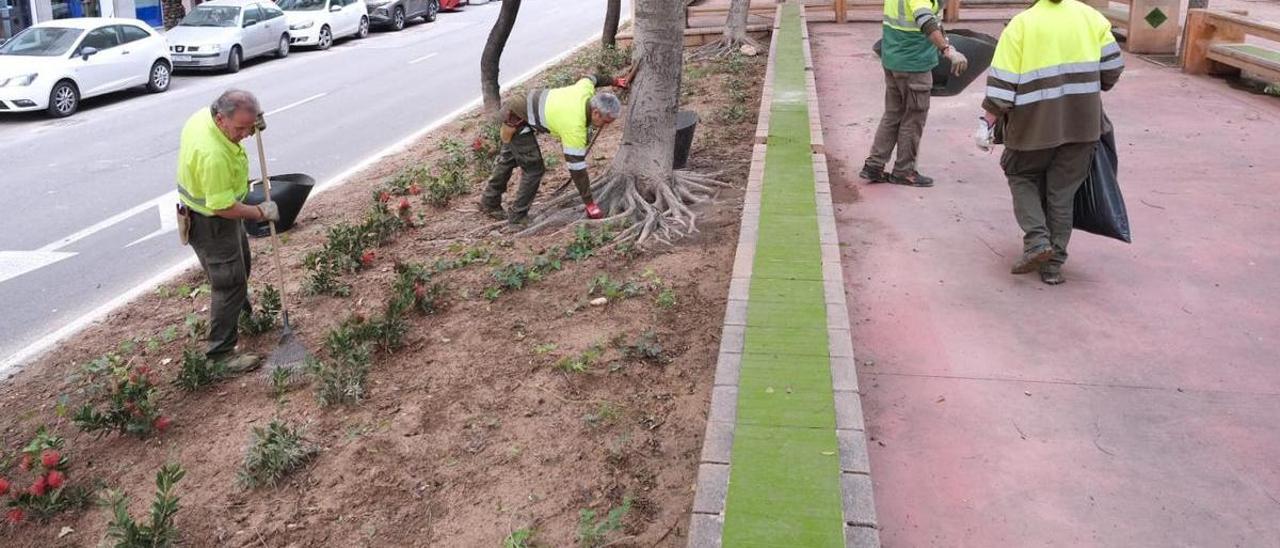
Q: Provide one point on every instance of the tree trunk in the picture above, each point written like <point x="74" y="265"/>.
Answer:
<point x="648" y="141"/>
<point x="735" y="27"/>
<point x="493" y="54"/>
<point x="611" y="14"/>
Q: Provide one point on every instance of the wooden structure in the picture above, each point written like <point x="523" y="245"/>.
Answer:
<point x="1215" y="44"/>
<point x="698" y="36"/>
<point x="1149" y="26"/>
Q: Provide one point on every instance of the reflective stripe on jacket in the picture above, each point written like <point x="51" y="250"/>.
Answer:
<point x="1050" y="67"/>
<point x="563" y="113"/>
<point x="912" y="15"/>
<point x="213" y="172"/>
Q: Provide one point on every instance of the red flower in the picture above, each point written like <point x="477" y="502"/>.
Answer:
<point x="404" y="204"/>
<point x="133" y="378"/>
<point x="50" y="458"/>
<point x="39" y="487"/>
<point x="26" y="462"/>
<point x="55" y="479"/>
<point x="478" y="144"/>
<point x="162" y="423"/>
<point x="414" y="189"/>
<point x="15" y="516"/>
<point x="384" y="196"/>
<point x="419" y="291"/>
<point x="4" y="486"/>
<point x="367" y="257"/>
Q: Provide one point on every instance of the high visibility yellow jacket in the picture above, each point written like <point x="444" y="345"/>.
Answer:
<point x="907" y="26"/>
<point x="1050" y="67"/>
<point x="213" y="172"/>
<point x="911" y="15"/>
<point x="563" y="113"/>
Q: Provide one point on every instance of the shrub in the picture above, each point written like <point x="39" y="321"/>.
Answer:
<point x="125" y="532"/>
<point x="413" y="290"/>
<point x="586" y="241"/>
<point x="198" y="371"/>
<point x="592" y="532"/>
<point x="273" y="452"/>
<point x="646" y="348"/>
<point x="732" y="114"/>
<point x="341" y="379"/>
<point x="50" y="491"/>
<point x="131" y="406"/>
<point x="666" y="299"/>
<point x="264" y="319"/>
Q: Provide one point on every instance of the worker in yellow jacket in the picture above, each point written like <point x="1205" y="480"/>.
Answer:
<point x="1044" y="95"/>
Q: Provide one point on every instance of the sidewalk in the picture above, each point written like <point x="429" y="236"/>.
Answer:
<point x="1137" y="405"/>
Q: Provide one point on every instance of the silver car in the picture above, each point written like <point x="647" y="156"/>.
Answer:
<point x="222" y="34"/>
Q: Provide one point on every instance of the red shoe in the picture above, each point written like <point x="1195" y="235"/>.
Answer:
<point x="593" y="211"/>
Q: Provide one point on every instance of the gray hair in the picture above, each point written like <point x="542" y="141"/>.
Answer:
<point x="607" y="104"/>
<point x="234" y="100"/>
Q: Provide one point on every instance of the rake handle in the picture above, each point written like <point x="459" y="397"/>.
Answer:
<point x="275" y="240"/>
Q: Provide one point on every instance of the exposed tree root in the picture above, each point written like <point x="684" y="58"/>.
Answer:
<point x="723" y="48"/>
<point x="664" y="217"/>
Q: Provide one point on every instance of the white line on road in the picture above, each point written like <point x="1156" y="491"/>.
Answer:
<point x="423" y="58"/>
<point x="297" y="103"/>
<point x="35" y="349"/>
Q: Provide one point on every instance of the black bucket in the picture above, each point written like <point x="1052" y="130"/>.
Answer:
<point x="686" y="122"/>
<point x="979" y="48"/>
<point x="289" y="192"/>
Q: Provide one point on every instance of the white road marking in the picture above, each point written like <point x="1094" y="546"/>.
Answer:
<point x="17" y="263"/>
<point x="297" y="103"/>
<point x="423" y="58"/>
<point x="43" y="344"/>
<point x="168" y="218"/>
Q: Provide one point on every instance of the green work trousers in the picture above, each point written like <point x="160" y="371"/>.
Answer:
<point x="1044" y="184"/>
<point x="522" y="152"/>
<point x="906" y="108"/>
<point x="223" y="249"/>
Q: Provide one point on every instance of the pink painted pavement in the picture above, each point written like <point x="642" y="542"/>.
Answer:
<point x="1137" y="405"/>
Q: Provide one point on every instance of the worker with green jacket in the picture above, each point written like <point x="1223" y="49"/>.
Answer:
<point x="913" y="38"/>
<point x="213" y="180"/>
<point x="1044" y="92"/>
<point x="569" y="113"/>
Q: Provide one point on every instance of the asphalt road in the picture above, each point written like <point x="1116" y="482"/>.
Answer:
<point x="89" y="198"/>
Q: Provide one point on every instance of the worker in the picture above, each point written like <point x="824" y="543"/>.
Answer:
<point x="1044" y="94"/>
<point x="213" y="180"/>
<point x="569" y="113"/>
<point x="912" y="40"/>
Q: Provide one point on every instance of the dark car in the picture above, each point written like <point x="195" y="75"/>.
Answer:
<point x="394" y="13"/>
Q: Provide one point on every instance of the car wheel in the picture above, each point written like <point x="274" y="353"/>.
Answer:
<point x="234" y="59"/>
<point x="397" y="19"/>
<point x="64" y="99"/>
<point x="433" y="9"/>
<point x="282" y="49"/>
<point x="161" y="74"/>
<point x="363" y="31"/>
<point x="326" y="38"/>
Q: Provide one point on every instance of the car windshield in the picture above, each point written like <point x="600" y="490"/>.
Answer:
<point x="301" y="5"/>
<point x="41" y="42"/>
<point x="212" y="16"/>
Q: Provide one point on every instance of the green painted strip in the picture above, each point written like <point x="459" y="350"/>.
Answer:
<point x="784" y="483"/>
<point x="1256" y="51"/>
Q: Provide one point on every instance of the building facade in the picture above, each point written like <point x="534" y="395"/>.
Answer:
<point x="16" y="15"/>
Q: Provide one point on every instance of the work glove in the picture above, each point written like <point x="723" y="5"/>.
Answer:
<point x="269" y="211"/>
<point x="958" y="61"/>
<point x="984" y="135"/>
<point x="621" y="82"/>
<point x="593" y="211"/>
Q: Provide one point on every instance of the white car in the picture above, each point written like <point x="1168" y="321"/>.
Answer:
<point x="319" y="22"/>
<point x="53" y="65"/>
<point x="222" y="34"/>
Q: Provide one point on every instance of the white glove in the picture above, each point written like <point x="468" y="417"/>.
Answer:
<point x="269" y="211"/>
<point x="984" y="135"/>
<point x="958" y="61"/>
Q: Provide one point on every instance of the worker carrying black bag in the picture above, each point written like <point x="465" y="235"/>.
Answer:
<point x="1099" y="207"/>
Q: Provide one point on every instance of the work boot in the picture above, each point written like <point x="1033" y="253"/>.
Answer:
<point x="493" y="212"/>
<point x="518" y="220"/>
<point x="1052" y="275"/>
<point x="241" y="363"/>
<point x="1033" y="259"/>
<point x="911" y="179"/>
<point x="873" y="174"/>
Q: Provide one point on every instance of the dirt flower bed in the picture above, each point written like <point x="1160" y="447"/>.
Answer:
<point x="468" y="389"/>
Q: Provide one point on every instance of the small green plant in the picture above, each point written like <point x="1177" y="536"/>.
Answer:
<point x="281" y="381"/>
<point x="124" y="532"/>
<point x="733" y="63"/>
<point x="491" y="293"/>
<point x="580" y="363"/>
<point x="386" y="331"/>
<point x="592" y="532"/>
<point x="545" y="348"/>
<point x="735" y="113"/>
<point x="646" y="348"/>
<point x="264" y="319"/>
<point x="467" y="257"/>
<point x="197" y="327"/>
<point x="607" y="414"/>
<point x="341" y="378"/>
<point x="586" y="241"/>
<point x="666" y="299"/>
<point x="413" y="290"/>
<point x="198" y="371"/>
<point x="50" y="492"/>
<point x="131" y="406"/>
<point x="273" y="452"/>
<point x="614" y="290"/>
<point x="520" y="538"/>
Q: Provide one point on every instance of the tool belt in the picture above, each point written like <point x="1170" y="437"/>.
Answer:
<point x="184" y="224"/>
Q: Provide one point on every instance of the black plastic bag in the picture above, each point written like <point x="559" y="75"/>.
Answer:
<point x="1099" y="207"/>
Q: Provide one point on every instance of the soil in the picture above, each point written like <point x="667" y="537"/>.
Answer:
<point x="469" y="431"/>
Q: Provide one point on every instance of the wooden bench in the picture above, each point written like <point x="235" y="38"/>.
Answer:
<point x="1149" y="26"/>
<point x="1215" y="44"/>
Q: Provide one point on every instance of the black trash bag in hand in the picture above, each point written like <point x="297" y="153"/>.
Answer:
<point x="1099" y="207"/>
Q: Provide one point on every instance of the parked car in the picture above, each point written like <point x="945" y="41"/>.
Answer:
<point x="223" y="34"/>
<point x="55" y="64"/>
<point x="319" y="22"/>
<point x="451" y="5"/>
<point x="394" y="14"/>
